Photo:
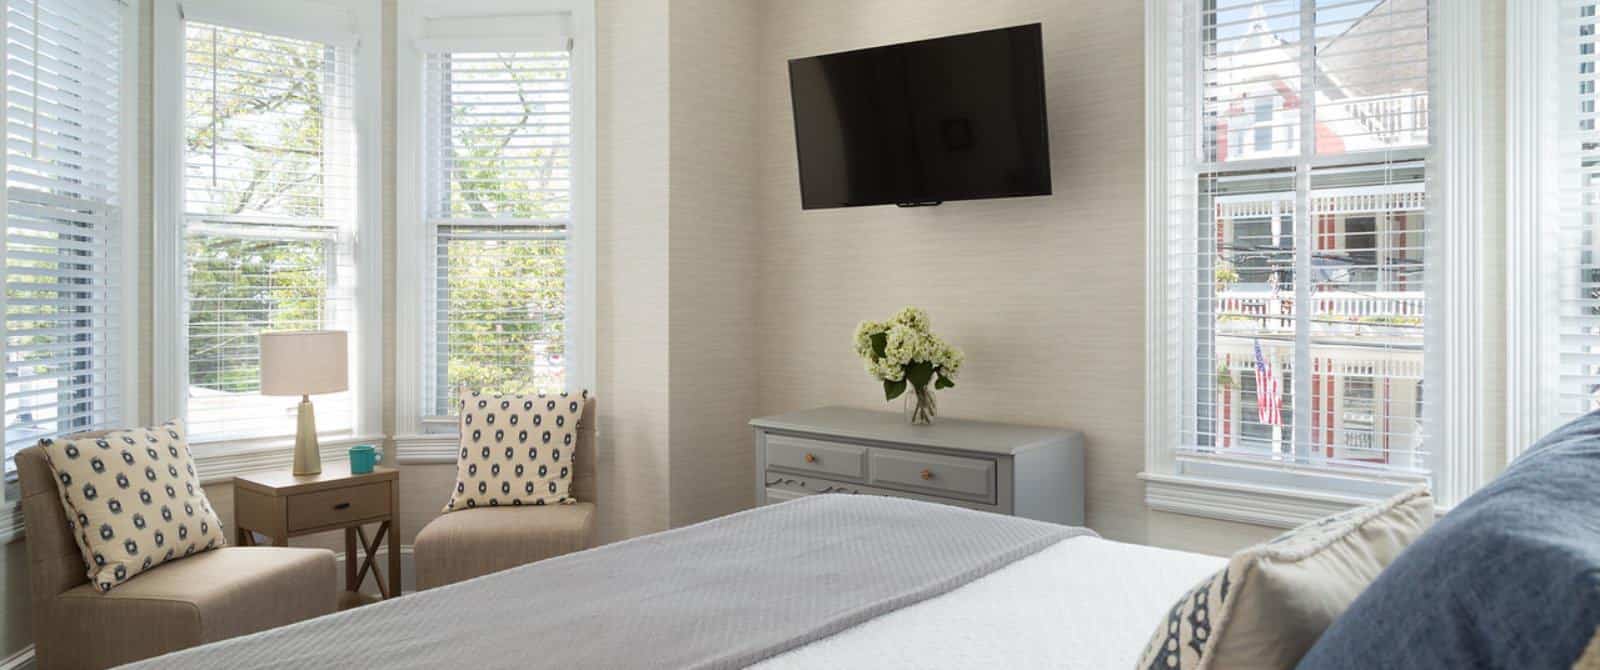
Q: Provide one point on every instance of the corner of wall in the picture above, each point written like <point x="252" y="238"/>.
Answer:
<point x="712" y="250"/>
<point x="632" y="310"/>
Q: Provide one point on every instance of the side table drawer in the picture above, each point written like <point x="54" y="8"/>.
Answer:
<point x="338" y="506"/>
<point x="799" y="454"/>
<point x="969" y="478"/>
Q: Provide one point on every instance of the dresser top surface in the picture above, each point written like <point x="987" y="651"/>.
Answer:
<point x="892" y="427"/>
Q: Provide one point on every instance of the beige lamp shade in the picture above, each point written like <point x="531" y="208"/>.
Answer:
<point x="305" y="362"/>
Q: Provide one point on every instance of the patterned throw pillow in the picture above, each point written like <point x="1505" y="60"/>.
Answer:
<point x="132" y="500"/>
<point x="1272" y="601"/>
<point x="515" y="449"/>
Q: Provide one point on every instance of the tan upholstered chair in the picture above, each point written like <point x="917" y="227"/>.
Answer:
<point x="475" y="542"/>
<point x="207" y="597"/>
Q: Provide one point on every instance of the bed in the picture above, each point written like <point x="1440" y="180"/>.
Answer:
<point x="881" y="583"/>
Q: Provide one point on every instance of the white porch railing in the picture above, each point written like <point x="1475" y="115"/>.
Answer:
<point x="1375" y="307"/>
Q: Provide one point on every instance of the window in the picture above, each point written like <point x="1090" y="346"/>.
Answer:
<point x="1263" y="124"/>
<point x="268" y="195"/>
<point x="66" y="251"/>
<point x="499" y="129"/>
<point x="269" y="226"/>
<point x="494" y="133"/>
<point x="1302" y="260"/>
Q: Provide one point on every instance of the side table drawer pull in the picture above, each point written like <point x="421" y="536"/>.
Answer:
<point x="927" y="475"/>
<point x="343" y="505"/>
<point x="811" y="458"/>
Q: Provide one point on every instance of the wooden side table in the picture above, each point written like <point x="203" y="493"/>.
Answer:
<point x="280" y="505"/>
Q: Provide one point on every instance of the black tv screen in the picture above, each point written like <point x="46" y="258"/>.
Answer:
<point x="953" y="118"/>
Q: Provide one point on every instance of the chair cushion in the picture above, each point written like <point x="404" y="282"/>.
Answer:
<point x="132" y="500"/>
<point x="476" y="542"/>
<point x="1510" y="578"/>
<point x="207" y="597"/>
<point x="1267" y="607"/>
<point x="515" y="449"/>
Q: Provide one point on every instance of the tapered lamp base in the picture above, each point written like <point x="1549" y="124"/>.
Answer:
<point x="307" y="453"/>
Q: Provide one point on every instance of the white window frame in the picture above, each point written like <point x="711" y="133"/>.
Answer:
<point x="328" y="21"/>
<point x="1285" y="497"/>
<point x="415" y="439"/>
<point x="129" y="86"/>
<point x="1532" y="210"/>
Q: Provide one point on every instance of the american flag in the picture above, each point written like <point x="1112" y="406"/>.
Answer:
<point x="1269" y="403"/>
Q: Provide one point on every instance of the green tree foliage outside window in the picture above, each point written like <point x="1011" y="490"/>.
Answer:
<point x="500" y="320"/>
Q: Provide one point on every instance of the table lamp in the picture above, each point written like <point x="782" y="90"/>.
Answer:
<point x="305" y="363"/>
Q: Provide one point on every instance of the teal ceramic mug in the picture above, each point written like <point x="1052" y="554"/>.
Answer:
<point x="363" y="457"/>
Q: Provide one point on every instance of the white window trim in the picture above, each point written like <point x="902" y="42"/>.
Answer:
<point x="128" y="140"/>
<point x="1531" y="188"/>
<point x="1456" y="299"/>
<point x="412" y="440"/>
<point x="169" y="373"/>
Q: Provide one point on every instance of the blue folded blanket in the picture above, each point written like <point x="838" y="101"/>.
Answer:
<point x="1508" y="579"/>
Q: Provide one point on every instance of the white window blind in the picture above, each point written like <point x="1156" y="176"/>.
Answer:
<point x="498" y="154"/>
<point x="269" y="218"/>
<point x="1576" y="313"/>
<point x="1298" y="228"/>
<point x="63" y="245"/>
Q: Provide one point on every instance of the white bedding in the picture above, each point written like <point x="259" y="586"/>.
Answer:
<point x="1083" y="603"/>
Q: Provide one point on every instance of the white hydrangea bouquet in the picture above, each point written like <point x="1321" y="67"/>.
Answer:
<point x="903" y="352"/>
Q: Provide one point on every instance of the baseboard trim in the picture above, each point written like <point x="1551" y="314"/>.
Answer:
<point x="405" y="550"/>
<point x="408" y="569"/>
<point x="21" y="660"/>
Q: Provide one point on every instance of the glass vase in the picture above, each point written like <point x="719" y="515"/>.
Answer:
<point x="920" y="406"/>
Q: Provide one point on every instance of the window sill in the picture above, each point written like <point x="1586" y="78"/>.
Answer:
<point x="1271" y="506"/>
<point x="221" y="462"/>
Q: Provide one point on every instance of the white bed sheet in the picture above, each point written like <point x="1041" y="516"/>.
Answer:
<point x="1083" y="603"/>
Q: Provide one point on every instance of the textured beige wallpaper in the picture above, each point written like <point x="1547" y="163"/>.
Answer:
<point x="632" y="315"/>
<point x="713" y="256"/>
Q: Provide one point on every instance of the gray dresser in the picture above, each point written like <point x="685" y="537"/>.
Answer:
<point x="1026" y="471"/>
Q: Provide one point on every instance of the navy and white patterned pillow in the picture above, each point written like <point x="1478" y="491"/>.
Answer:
<point x="516" y="449"/>
<point x="133" y="500"/>
<point x="1181" y="640"/>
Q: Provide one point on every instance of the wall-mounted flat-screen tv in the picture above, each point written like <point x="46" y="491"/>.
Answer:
<point x="920" y="123"/>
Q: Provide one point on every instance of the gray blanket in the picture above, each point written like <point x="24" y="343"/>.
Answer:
<point x="721" y="594"/>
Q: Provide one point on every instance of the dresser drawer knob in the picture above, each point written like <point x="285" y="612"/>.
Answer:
<point x="343" y="505"/>
<point x="811" y="458"/>
<point x="927" y="474"/>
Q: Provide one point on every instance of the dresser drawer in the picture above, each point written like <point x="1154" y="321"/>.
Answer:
<point x="799" y="454"/>
<point x="338" y="506"/>
<point x="954" y="476"/>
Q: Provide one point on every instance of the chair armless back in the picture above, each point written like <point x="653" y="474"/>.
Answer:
<point x="55" y="564"/>
<point x="583" y="477"/>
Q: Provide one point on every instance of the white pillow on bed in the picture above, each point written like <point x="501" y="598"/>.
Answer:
<point x="1273" y="600"/>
